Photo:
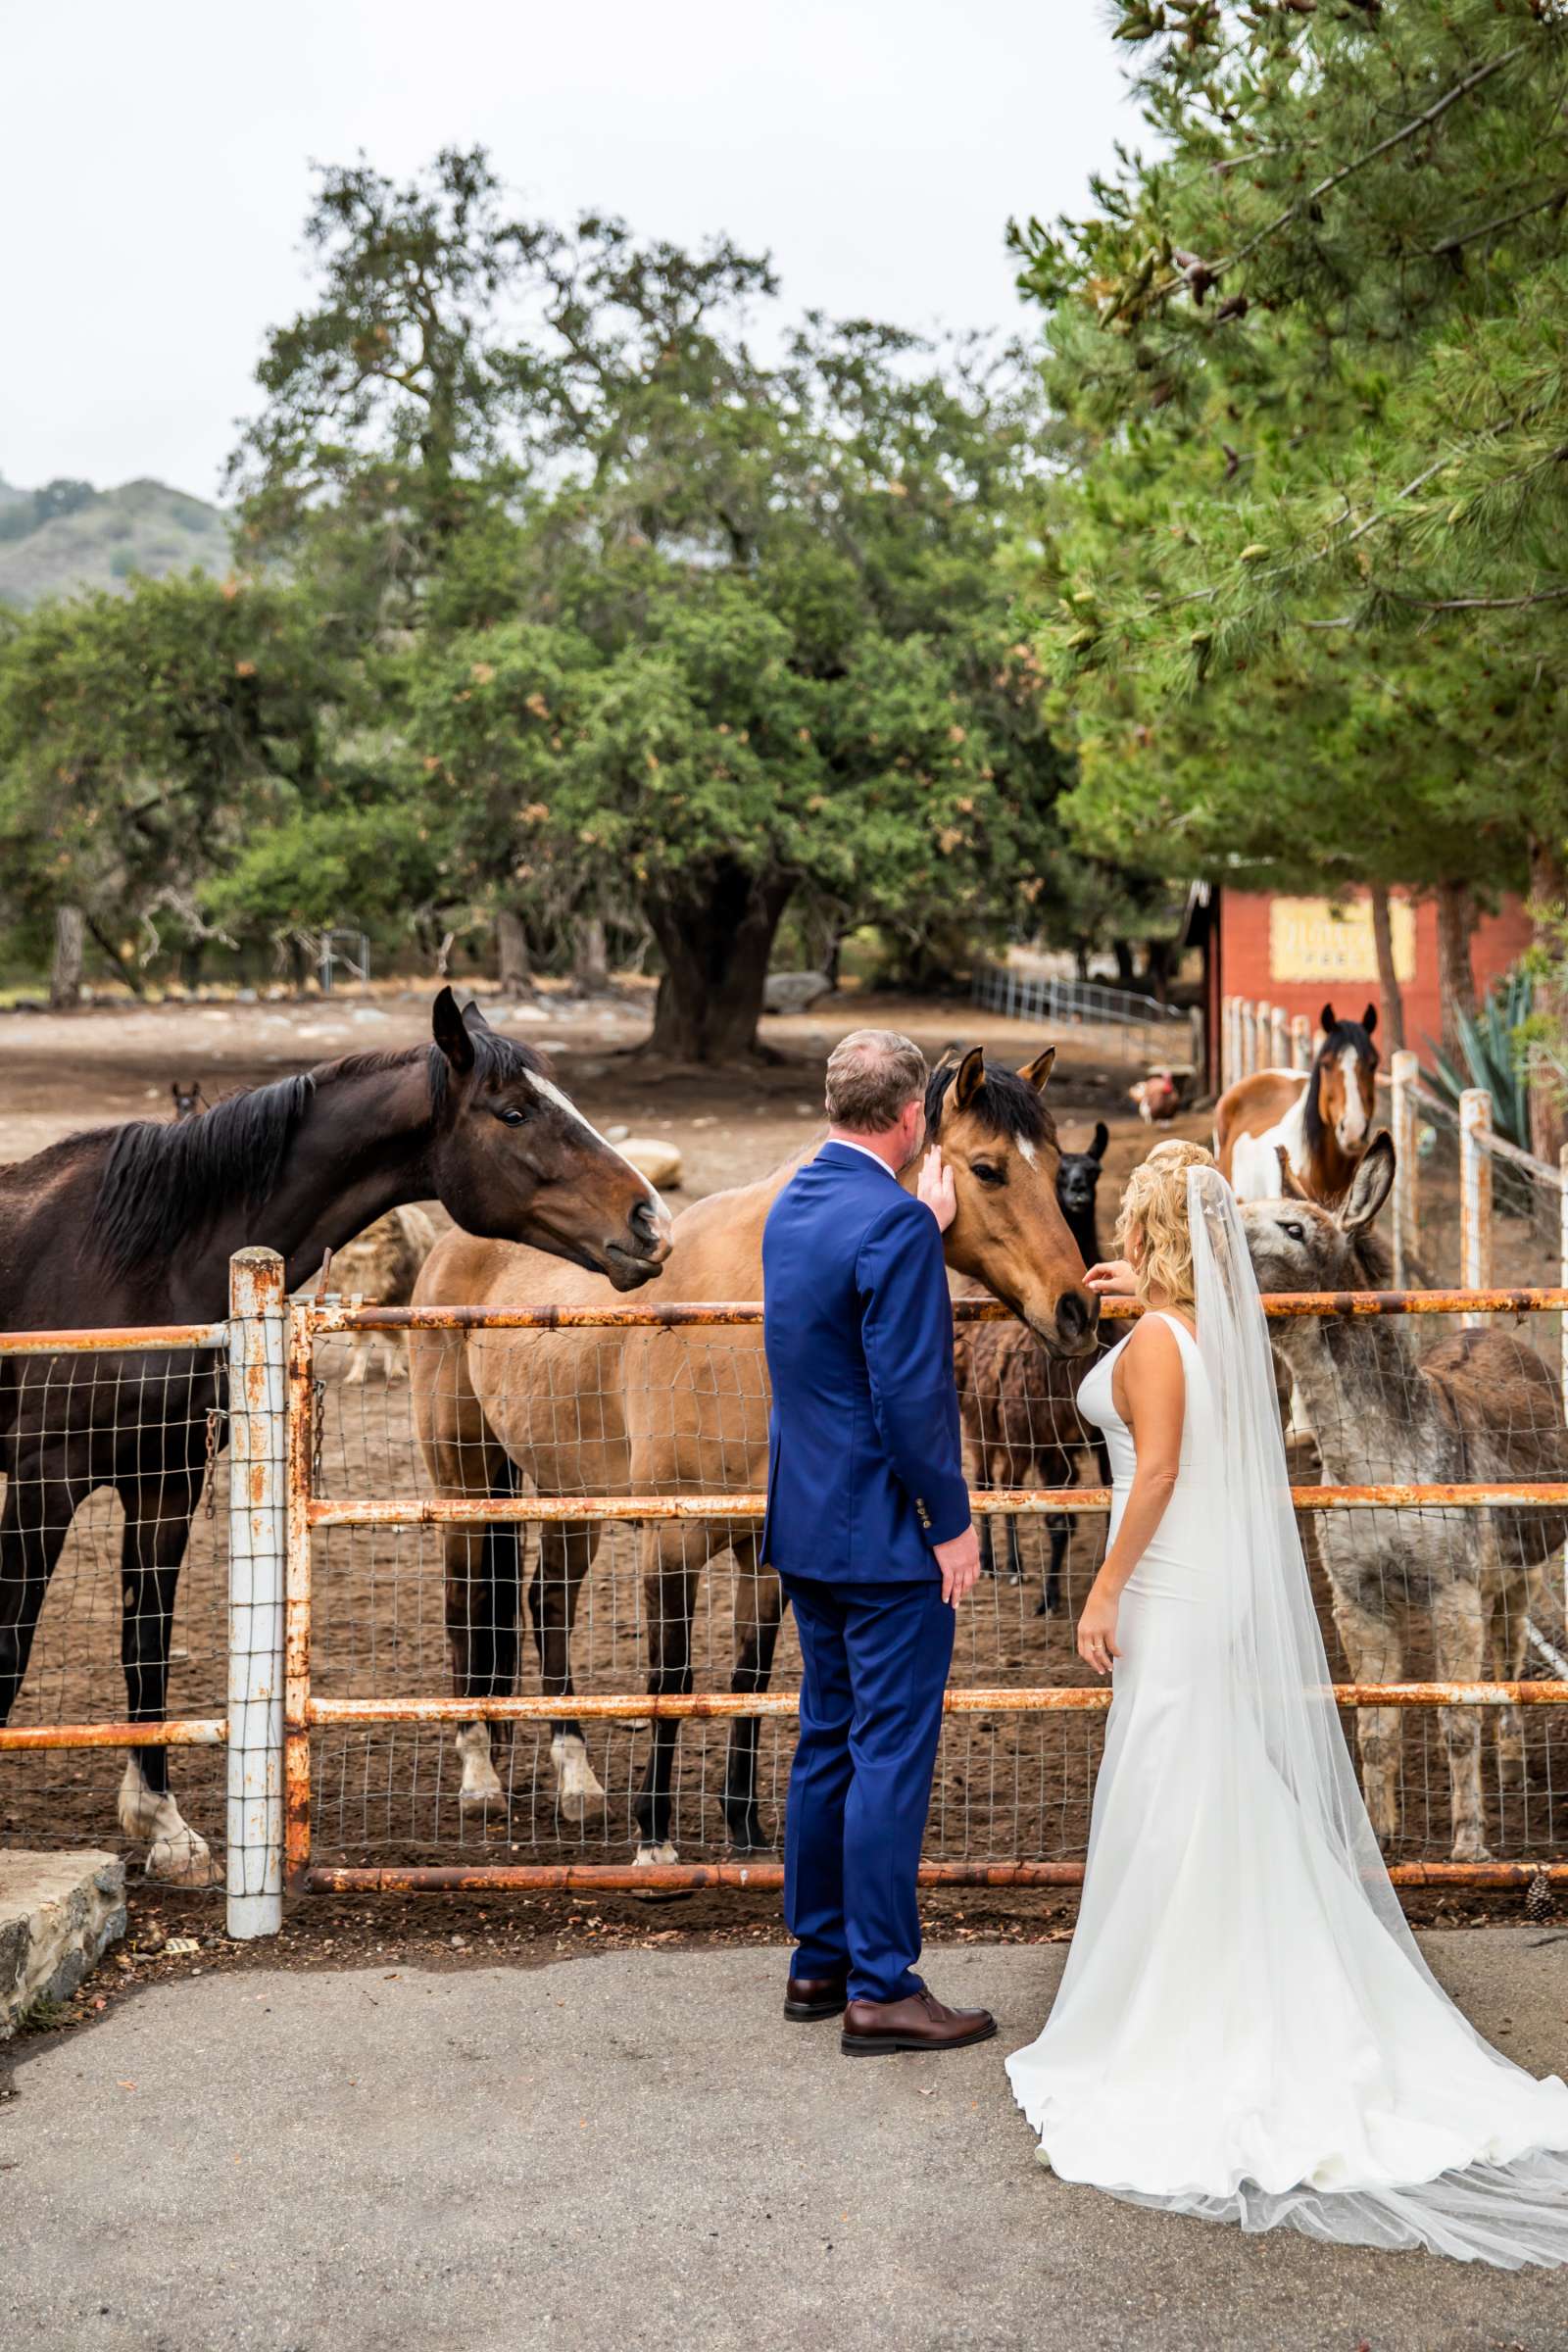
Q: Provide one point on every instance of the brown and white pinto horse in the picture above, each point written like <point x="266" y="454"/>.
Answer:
<point x="1322" y="1120"/>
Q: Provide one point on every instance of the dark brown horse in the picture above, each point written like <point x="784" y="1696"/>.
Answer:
<point x="136" y="1225"/>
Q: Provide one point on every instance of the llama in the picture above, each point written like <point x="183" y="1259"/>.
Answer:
<point x="1019" y="1403"/>
<point x="1478" y="1407"/>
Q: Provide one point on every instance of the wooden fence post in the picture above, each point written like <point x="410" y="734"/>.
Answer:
<point x="1300" y="1043"/>
<point x="1279" y="1039"/>
<point x="1407" y="1072"/>
<point x="1475" y="1192"/>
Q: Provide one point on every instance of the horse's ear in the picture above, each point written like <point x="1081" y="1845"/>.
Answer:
<point x="1099" y="1140"/>
<point x="1326" y="1021"/>
<point x="1369" y="1019"/>
<point x="474" y="1014"/>
<point x="448" y="1029"/>
<point x="970" y="1078"/>
<point x="1369" y="1186"/>
<point x="1291" y="1186"/>
<point x="1035" y="1073"/>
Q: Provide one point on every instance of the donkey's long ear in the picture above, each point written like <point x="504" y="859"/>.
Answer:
<point x="970" y="1078"/>
<point x="1371" y="1185"/>
<point x="448" y="1029"/>
<point x="1291" y="1185"/>
<point x="1035" y="1073"/>
<point x="1099" y="1140"/>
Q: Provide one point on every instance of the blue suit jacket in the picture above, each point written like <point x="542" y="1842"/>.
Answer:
<point x="865" y="1464"/>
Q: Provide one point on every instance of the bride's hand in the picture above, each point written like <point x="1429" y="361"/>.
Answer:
<point x="1096" y="1631"/>
<point x="1113" y="1278"/>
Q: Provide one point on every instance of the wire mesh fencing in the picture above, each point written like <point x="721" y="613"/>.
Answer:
<point x="480" y="1633"/>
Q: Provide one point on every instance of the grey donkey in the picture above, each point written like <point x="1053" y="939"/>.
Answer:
<point x="1478" y="1407"/>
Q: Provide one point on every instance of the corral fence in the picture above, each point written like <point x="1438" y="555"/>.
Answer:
<point x="1125" y="1025"/>
<point x="338" y="1723"/>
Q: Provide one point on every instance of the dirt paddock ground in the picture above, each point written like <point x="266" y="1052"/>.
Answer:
<point x="1007" y="1784"/>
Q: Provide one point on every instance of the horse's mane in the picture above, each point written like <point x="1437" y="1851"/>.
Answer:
<point x="1003" y="1103"/>
<point x="1343" y="1034"/>
<point x="163" y="1181"/>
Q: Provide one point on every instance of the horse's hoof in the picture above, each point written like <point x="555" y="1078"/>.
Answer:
<point x="580" y="1790"/>
<point x="1471" y="1849"/>
<point x="183" y="1861"/>
<point x="650" y="1855"/>
<point x="480" y="1799"/>
<point x="746" y="1834"/>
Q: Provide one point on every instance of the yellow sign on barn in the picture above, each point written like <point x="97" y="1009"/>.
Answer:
<point x="1314" y="939"/>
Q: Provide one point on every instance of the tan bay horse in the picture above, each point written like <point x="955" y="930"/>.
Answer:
<point x="1320" y="1119"/>
<point x="667" y="1412"/>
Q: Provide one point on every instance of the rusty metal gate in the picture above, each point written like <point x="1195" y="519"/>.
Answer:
<point x="314" y="1513"/>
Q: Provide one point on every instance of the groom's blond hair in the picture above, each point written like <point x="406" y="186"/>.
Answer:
<point x="1155" y="1208"/>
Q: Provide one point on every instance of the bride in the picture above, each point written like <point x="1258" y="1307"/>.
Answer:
<point x="1246" y="2029"/>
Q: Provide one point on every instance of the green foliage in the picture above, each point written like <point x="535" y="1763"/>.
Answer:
<point x="1495" y="1057"/>
<point x="1300" y="593"/>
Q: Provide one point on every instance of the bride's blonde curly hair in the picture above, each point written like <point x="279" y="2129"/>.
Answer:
<point x="1153" y="1209"/>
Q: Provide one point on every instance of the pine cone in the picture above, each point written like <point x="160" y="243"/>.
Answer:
<point x="1540" y="1903"/>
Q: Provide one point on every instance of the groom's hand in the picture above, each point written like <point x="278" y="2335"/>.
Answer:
<point x="934" y="1186"/>
<point x="960" y="1562"/>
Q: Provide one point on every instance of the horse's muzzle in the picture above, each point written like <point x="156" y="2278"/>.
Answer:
<point x="1077" y="1316"/>
<point x="638" y="1259"/>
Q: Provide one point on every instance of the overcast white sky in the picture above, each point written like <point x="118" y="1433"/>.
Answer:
<point x="154" y="167"/>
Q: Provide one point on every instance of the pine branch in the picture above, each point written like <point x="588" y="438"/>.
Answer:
<point x="1457" y="243"/>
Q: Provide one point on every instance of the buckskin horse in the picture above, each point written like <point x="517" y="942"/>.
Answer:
<point x="136" y="1224"/>
<point x="1321" y="1121"/>
<point x="650" y="1411"/>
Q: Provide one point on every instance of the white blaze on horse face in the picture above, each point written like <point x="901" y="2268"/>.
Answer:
<point x="1350" y="1125"/>
<point x="552" y="1093"/>
<point x="1027" y="1151"/>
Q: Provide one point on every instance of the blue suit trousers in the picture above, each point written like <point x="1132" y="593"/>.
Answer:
<point x="876" y="1661"/>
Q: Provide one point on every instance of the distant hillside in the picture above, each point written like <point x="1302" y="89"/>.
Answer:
<point x="70" y="536"/>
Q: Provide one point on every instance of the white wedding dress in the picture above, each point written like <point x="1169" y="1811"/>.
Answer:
<point x="1246" y="2029"/>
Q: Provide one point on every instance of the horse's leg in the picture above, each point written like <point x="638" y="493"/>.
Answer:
<point x="158" y="1516"/>
<point x="484" y="1581"/>
<point x="1458" y="1645"/>
<point x="1059" y="1529"/>
<point x="988" y="1556"/>
<point x="758" y="1610"/>
<point x="673" y="1555"/>
<point x="1374" y="1655"/>
<point x="40" y="1501"/>
<point x="1507" y="1591"/>
<point x="567" y="1550"/>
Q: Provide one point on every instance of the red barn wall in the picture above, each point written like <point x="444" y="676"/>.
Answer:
<point x="1244" y="965"/>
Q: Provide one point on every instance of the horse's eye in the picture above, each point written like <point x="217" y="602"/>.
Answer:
<point x="988" y="1173"/>
<point x="508" y="1116"/>
<point x="1295" y="1233"/>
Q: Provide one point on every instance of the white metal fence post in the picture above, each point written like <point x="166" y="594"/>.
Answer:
<point x="1248" y="1038"/>
<point x="1407" y="1072"/>
<point x="1475" y="1192"/>
<point x="256" y="1544"/>
<point x="1300" y="1043"/>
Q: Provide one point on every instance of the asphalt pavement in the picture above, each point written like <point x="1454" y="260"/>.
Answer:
<point x="635" y="2150"/>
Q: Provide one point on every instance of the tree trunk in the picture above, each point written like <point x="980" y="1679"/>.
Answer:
<point x="1456" y="980"/>
<point x="65" y="975"/>
<point x="1126" y="969"/>
<point x="516" y="975"/>
<point x="590" y="959"/>
<point x="1549" y="900"/>
<point x="1158" y="954"/>
<point x="715" y="942"/>
<point x="1388" y="976"/>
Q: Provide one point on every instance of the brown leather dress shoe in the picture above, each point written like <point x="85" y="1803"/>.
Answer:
<point x="807" y="1998"/>
<point x="872" y="2028"/>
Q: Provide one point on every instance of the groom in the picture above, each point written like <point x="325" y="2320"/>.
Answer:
<point x="868" y="1528"/>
